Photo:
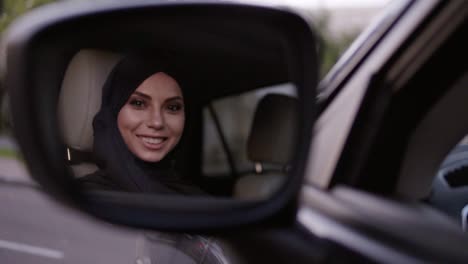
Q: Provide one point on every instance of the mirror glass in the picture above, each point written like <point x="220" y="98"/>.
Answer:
<point x="143" y="106"/>
<point x="156" y="121"/>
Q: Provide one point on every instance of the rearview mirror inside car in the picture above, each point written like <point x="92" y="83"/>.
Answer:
<point x="162" y="110"/>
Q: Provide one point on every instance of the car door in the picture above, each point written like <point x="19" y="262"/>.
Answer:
<point x="384" y="130"/>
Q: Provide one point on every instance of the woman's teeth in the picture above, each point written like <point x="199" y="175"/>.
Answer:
<point x="152" y="140"/>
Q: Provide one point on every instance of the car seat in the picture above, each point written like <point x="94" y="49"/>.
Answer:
<point x="79" y="101"/>
<point x="270" y="146"/>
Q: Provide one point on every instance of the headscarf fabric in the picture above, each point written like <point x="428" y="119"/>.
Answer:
<point x="117" y="164"/>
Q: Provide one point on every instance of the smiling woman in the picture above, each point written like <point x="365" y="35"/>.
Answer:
<point x="152" y="121"/>
<point x="137" y="129"/>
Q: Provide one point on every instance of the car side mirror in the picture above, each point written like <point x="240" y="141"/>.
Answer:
<point x="243" y="77"/>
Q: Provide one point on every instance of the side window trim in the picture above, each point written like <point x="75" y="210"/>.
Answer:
<point x="224" y="143"/>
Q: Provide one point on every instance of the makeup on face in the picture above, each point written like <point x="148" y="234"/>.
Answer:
<point x="152" y="120"/>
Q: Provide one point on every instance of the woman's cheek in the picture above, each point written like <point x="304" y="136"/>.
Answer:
<point x="129" y="118"/>
<point x="176" y="123"/>
<point x="137" y="117"/>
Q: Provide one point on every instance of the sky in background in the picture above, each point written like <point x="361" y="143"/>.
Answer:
<point x="324" y="3"/>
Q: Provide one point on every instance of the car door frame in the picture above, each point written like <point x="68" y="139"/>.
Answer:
<point x="359" y="220"/>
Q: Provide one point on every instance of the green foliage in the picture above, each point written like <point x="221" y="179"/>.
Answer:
<point x="14" y="8"/>
<point x="333" y="50"/>
<point x="331" y="47"/>
<point x="11" y="10"/>
<point x="8" y="153"/>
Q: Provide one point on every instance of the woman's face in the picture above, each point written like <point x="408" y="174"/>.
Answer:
<point x="152" y="120"/>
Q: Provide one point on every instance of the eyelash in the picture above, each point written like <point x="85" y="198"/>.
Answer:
<point x="174" y="107"/>
<point x="137" y="103"/>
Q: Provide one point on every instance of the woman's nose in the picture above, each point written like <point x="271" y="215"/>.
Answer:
<point x="156" y="120"/>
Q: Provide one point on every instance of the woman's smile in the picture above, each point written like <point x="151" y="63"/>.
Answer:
<point x="152" y="120"/>
<point x="153" y="143"/>
<point x="153" y="140"/>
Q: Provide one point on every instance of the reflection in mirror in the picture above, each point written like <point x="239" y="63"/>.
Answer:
<point x="136" y="122"/>
<point x="250" y="137"/>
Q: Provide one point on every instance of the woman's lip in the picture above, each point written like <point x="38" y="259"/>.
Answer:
<point x="152" y="142"/>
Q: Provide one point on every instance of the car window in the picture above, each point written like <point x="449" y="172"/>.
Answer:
<point x="235" y="115"/>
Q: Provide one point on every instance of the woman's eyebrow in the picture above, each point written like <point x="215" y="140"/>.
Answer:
<point x="142" y="94"/>
<point x="175" y="98"/>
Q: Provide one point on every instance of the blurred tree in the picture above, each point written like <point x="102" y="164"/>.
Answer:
<point x="9" y="11"/>
<point x="331" y="47"/>
<point x="14" y="8"/>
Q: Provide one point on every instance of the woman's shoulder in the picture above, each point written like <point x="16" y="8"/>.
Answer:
<point x="98" y="180"/>
<point x="101" y="180"/>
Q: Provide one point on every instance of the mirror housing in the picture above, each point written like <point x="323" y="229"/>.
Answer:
<point x="266" y="43"/>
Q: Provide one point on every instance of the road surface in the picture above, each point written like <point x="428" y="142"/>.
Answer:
<point x="35" y="229"/>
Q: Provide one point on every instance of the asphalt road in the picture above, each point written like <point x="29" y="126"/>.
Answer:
<point x="34" y="229"/>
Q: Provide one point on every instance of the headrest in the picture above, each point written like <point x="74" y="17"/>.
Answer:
<point x="274" y="130"/>
<point x="80" y="96"/>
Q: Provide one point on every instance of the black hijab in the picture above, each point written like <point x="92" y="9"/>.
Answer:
<point x="119" y="168"/>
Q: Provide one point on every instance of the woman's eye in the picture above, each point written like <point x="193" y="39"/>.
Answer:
<point x="174" y="107"/>
<point x="137" y="103"/>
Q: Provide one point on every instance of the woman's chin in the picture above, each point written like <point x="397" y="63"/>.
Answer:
<point x="150" y="157"/>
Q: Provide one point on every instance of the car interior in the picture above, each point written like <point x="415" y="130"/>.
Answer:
<point x="271" y="123"/>
<point x="447" y="189"/>
<point x="417" y="130"/>
<point x="449" y="192"/>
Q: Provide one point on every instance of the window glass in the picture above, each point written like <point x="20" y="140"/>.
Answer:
<point x="235" y="115"/>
